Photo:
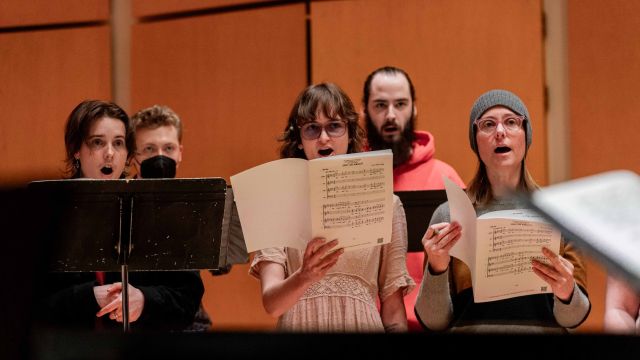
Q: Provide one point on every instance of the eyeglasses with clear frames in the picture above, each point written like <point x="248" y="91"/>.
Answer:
<point x="313" y="130"/>
<point x="488" y="125"/>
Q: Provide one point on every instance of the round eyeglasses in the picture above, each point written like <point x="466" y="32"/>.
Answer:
<point x="313" y="130"/>
<point x="489" y="125"/>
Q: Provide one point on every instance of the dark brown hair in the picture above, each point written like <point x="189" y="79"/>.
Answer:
<point x="79" y="124"/>
<point x="323" y="98"/>
<point x="388" y="70"/>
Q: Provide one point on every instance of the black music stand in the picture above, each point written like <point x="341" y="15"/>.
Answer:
<point x="418" y="208"/>
<point x="137" y="225"/>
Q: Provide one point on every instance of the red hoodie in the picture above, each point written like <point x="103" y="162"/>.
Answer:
<point x="421" y="172"/>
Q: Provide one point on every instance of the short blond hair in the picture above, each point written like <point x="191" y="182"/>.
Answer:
<point x="154" y="117"/>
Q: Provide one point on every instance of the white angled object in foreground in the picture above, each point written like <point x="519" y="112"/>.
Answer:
<point x="602" y="214"/>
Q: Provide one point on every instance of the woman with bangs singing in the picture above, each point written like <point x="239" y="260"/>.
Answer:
<point x="322" y="290"/>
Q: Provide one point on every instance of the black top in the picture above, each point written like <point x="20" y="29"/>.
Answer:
<point x="171" y="300"/>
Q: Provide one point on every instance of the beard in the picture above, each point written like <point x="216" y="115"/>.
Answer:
<point x="401" y="148"/>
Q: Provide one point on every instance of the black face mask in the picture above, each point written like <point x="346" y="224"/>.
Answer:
<point x="158" y="167"/>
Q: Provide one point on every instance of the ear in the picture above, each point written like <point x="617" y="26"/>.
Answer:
<point x="415" y="110"/>
<point x="300" y="146"/>
<point x="179" y="156"/>
<point x="77" y="155"/>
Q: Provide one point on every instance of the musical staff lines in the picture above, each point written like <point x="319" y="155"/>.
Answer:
<point x="511" y="249"/>
<point x="343" y="183"/>
<point x="353" y="213"/>
<point x="512" y="263"/>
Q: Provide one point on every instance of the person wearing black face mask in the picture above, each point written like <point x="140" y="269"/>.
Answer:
<point x="158" y="142"/>
<point x="157" y="132"/>
<point x="158" y="167"/>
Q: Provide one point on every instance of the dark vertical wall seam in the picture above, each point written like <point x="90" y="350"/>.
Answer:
<point x="307" y="7"/>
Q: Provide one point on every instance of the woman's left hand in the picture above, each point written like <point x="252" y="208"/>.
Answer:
<point x="559" y="274"/>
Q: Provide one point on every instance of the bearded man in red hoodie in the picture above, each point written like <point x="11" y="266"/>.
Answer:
<point x="390" y="116"/>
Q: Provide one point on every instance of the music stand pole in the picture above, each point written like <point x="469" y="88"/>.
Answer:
<point x="126" y="205"/>
<point x="125" y="298"/>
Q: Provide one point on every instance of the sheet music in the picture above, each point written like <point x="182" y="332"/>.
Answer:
<point x="507" y="242"/>
<point x="512" y="246"/>
<point x="352" y="214"/>
<point x="462" y="211"/>
<point x="351" y="198"/>
<point x="287" y="202"/>
<point x="498" y="247"/>
<point x="342" y="183"/>
<point x="273" y="204"/>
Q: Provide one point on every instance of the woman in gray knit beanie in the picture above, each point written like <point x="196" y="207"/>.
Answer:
<point x="500" y="135"/>
<point x="504" y="148"/>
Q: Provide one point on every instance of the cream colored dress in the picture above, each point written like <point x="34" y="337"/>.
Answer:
<point x="345" y="299"/>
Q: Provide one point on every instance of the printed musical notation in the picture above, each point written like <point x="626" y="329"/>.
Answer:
<point x="501" y="237"/>
<point x="287" y="202"/>
<point x="342" y="183"/>
<point x="511" y="248"/>
<point x="353" y="213"/>
<point x="352" y="198"/>
<point x="348" y="197"/>
<point x="512" y="263"/>
<point x="498" y="247"/>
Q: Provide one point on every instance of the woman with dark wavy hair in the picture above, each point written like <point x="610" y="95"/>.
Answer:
<point x="323" y="289"/>
<point x="97" y="141"/>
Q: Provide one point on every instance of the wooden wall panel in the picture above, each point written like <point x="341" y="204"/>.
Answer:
<point x="596" y="287"/>
<point x="604" y="68"/>
<point x="44" y="75"/>
<point x="155" y="7"/>
<point x="232" y="78"/>
<point x="453" y="50"/>
<point x="604" y="63"/>
<point x="42" y="12"/>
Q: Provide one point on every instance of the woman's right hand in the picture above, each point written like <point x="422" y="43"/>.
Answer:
<point x="437" y="242"/>
<point x="280" y="293"/>
<point x="318" y="259"/>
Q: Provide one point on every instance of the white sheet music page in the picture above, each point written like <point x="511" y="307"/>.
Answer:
<point x="462" y="211"/>
<point x="273" y="204"/>
<point x="602" y="210"/>
<point x="498" y="247"/>
<point x="507" y="242"/>
<point x="351" y="198"/>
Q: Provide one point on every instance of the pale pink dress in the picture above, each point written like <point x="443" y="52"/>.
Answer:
<point x="345" y="299"/>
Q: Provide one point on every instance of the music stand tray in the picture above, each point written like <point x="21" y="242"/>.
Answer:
<point x="418" y="208"/>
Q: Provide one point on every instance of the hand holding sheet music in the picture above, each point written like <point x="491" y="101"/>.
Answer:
<point x="498" y="248"/>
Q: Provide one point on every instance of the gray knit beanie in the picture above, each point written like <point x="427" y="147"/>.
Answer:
<point x="494" y="98"/>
